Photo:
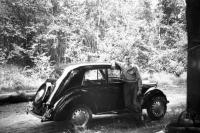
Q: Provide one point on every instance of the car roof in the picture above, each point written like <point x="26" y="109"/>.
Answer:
<point x="77" y="65"/>
<point x="92" y="64"/>
<point x="85" y="64"/>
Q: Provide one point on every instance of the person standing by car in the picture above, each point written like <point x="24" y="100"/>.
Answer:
<point x="132" y="84"/>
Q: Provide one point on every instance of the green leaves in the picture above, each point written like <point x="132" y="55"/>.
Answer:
<point x="151" y="32"/>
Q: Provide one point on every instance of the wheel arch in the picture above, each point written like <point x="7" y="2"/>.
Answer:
<point x="64" y="104"/>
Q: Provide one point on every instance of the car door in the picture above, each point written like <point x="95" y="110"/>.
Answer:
<point x="95" y="81"/>
<point x="115" y="87"/>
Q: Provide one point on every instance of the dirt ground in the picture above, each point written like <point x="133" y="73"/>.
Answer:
<point x="13" y="119"/>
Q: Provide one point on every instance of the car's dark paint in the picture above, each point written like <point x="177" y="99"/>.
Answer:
<point x="116" y="101"/>
<point x="79" y="96"/>
<point x="98" y="98"/>
<point x="70" y="81"/>
<point x="103" y="96"/>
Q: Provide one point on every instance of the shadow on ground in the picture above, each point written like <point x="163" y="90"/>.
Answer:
<point x="28" y="123"/>
<point x="16" y="98"/>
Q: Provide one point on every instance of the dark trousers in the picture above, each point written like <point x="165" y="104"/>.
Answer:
<point x="130" y="95"/>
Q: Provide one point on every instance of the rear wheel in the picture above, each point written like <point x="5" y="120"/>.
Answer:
<point x="157" y="107"/>
<point x="80" y="115"/>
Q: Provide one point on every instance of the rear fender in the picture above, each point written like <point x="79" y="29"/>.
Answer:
<point x="150" y="94"/>
<point x="63" y="105"/>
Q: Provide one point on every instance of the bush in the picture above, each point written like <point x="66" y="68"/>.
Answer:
<point x="41" y="69"/>
<point x="13" y="78"/>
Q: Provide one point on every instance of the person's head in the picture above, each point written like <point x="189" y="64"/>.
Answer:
<point x="127" y="60"/>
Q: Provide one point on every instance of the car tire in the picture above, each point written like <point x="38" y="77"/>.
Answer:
<point x="38" y="99"/>
<point x="80" y="116"/>
<point x="157" y="107"/>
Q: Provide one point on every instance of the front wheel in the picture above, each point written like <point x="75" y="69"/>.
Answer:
<point x="157" y="107"/>
<point x="80" y="115"/>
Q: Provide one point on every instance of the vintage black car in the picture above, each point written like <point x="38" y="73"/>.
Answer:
<point x="75" y="92"/>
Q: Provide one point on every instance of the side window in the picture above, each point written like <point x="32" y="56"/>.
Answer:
<point x="114" y="74"/>
<point x="95" y="76"/>
<point x="91" y="75"/>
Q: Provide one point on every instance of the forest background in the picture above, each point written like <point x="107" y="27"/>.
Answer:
<point x="36" y="35"/>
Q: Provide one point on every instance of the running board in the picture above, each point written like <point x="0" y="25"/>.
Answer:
<point x="118" y="113"/>
<point x="110" y="115"/>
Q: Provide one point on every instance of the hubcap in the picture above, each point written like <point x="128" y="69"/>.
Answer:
<point x="158" y="108"/>
<point x="80" y="117"/>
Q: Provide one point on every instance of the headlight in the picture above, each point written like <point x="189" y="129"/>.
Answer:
<point x="39" y="95"/>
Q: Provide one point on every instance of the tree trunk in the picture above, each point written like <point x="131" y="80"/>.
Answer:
<point x="193" y="73"/>
<point x="189" y="120"/>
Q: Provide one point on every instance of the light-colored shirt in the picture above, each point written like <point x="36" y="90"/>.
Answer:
<point x="130" y="73"/>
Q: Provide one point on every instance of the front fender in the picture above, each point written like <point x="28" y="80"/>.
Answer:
<point x="152" y="93"/>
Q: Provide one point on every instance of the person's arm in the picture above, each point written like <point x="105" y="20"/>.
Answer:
<point x="139" y="79"/>
<point x="120" y="65"/>
<point x="139" y="87"/>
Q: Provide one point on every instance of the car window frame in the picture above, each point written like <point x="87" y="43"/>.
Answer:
<point x="98" y="69"/>
<point x="119" y="79"/>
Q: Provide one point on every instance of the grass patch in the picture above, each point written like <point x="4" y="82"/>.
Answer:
<point x="14" y="79"/>
<point x="129" y="125"/>
<point x="164" y="78"/>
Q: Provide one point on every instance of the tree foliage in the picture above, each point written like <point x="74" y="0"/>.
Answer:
<point x="153" y="33"/>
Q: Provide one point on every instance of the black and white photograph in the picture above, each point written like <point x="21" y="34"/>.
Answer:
<point x="99" y="66"/>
